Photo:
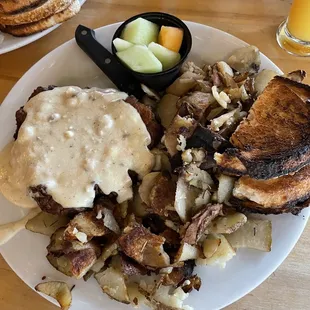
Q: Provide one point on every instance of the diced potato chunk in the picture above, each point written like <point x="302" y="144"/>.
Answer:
<point x="227" y="224"/>
<point x="141" y="31"/>
<point x="171" y="38"/>
<point x="112" y="282"/>
<point x="140" y="59"/>
<point x="223" y="254"/>
<point x="167" y="109"/>
<point x="57" y="290"/>
<point x="167" y="57"/>
<point x="254" y="234"/>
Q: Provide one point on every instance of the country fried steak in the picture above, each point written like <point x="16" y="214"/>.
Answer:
<point x="40" y="194"/>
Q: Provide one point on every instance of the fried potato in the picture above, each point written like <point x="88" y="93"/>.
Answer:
<point x="162" y="195"/>
<point x="167" y="109"/>
<point x="181" y="85"/>
<point x="226" y="186"/>
<point x="180" y="126"/>
<point x="57" y="290"/>
<point x="46" y="223"/>
<point x="254" y="234"/>
<point x="185" y="197"/>
<point x="107" y="251"/>
<point x="74" y="258"/>
<point x="162" y="162"/>
<point x="112" y="282"/>
<point x="144" y="247"/>
<point x="86" y="223"/>
<point x="187" y="252"/>
<point x="222" y="255"/>
<point x="146" y="186"/>
<point x="136" y="205"/>
<point x="227" y="224"/>
<point x="210" y="246"/>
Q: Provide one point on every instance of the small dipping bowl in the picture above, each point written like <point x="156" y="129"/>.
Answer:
<point x="161" y="80"/>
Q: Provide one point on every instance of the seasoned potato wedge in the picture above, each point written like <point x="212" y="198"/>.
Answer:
<point x="254" y="234"/>
<point x="87" y="224"/>
<point x="73" y="258"/>
<point x="180" y="126"/>
<point x="162" y="162"/>
<point x="162" y="195"/>
<point x="227" y="224"/>
<point x="222" y="255"/>
<point x="144" y="247"/>
<point x="107" y="251"/>
<point x="167" y="109"/>
<point x="112" y="282"/>
<point x="46" y="223"/>
<point x="210" y="246"/>
<point x="146" y="186"/>
<point x="186" y="252"/>
<point x="226" y="186"/>
<point x="57" y="290"/>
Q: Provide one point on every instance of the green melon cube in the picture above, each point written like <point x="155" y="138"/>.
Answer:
<point x="168" y="58"/>
<point x="140" y="59"/>
<point x="121" y="44"/>
<point x="141" y="31"/>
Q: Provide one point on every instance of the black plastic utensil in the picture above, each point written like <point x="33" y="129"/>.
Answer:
<point x="107" y="62"/>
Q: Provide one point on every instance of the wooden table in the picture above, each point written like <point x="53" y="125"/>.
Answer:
<point x="254" y="21"/>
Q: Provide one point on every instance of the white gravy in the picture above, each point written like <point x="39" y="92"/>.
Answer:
<point x="8" y="231"/>
<point x="72" y="139"/>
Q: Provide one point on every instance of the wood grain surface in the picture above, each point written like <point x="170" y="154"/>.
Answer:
<point x="254" y="21"/>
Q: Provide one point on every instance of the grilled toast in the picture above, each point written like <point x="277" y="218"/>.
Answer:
<point x="31" y="14"/>
<point x="278" y="195"/>
<point x="11" y="6"/>
<point x="31" y="28"/>
<point x="274" y="139"/>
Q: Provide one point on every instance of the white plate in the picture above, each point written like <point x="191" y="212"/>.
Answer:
<point x="68" y="65"/>
<point x="11" y="43"/>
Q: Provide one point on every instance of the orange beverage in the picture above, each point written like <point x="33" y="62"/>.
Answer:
<point x="299" y="20"/>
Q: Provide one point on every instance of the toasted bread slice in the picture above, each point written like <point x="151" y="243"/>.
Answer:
<point x="276" y="195"/>
<point x="28" y="29"/>
<point x="11" y="6"/>
<point x="35" y="13"/>
<point x="231" y="165"/>
<point x="274" y="139"/>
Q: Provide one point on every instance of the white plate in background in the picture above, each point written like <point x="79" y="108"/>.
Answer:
<point x="26" y="252"/>
<point x="11" y="43"/>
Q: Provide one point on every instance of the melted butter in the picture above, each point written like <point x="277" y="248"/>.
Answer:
<point x="71" y="140"/>
<point x="8" y="231"/>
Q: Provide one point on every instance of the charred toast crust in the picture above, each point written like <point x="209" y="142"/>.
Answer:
<point x="267" y="168"/>
<point x="293" y="207"/>
<point x="275" y="137"/>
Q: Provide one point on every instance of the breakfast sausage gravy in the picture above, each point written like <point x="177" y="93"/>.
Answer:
<point x="72" y="139"/>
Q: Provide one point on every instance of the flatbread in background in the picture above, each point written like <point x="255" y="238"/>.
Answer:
<point x="41" y="10"/>
<point x="10" y="6"/>
<point x="31" y="28"/>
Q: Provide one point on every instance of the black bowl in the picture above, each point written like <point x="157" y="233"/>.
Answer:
<point x="161" y="80"/>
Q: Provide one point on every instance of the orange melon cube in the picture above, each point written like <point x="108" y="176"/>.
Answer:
<point x="171" y="38"/>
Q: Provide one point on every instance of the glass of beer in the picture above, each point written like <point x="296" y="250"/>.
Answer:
<point x="293" y="34"/>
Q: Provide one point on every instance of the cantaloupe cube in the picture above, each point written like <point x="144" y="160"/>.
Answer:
<point x="140" y="31"/>
<point x="121" y="44"/>
<point x="167" y="57"/>
<point x="140" y="59"/>
<point x="171" y="38"/>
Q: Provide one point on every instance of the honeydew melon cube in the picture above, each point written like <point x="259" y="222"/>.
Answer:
<point x="141" y="31"/>
<point x="121" y="44"/>
<point x="140" y="59"/>
<point x="168" y="58"/>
